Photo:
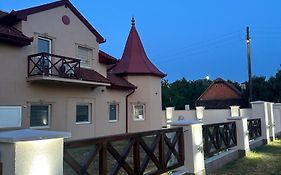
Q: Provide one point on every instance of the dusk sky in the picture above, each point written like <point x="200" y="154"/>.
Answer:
<point x="185" y="38"/>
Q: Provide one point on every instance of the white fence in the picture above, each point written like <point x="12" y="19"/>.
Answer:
<point x="210" y="116"/>
<point x="267" y="118"/>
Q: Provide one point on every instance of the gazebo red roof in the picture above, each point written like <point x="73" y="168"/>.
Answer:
<point x="134" y="59"/>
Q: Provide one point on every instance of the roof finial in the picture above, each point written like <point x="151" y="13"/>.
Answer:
<point x="133" y="21"/>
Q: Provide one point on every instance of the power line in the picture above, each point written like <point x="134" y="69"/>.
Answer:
<point x="199" y="49"/>
<point x="203" y="43"/>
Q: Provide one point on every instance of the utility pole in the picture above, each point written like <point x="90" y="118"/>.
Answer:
<point x="248" y="41"/>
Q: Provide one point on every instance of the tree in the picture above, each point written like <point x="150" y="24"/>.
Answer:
<point x="275" y="87"/>
<point x="183" y="91"/>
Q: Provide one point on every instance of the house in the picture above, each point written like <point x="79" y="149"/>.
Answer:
<point x="55" y="77"/>
<point x="221" y="95"/>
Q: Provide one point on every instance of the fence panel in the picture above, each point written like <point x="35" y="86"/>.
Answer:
<point x="218" y="137"/>
<point x="254" y="128"/>
<point x="151" y="152"/>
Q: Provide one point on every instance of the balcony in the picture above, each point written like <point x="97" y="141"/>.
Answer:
<point x="45" y="67"/>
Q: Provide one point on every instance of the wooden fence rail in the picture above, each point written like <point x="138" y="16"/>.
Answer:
<point x="254" y="127"/>
<point x="53" y="65"/>
<point x="127" y="153"/>
<point x="218" y="137"/>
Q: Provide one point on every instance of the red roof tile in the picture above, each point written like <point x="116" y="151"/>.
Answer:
<point x="22" y="14"/>
<point x="106" y="58"/>
<point x="119" y="83"/>
<point x="220" y="89"/>
<point x="91" y="75"/>
<point x="134" y="59"/>
<point x="11" y="35"/>
<point x="220" y="95"/>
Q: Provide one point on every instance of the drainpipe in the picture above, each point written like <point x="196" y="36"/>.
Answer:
<point x="127" y="120"/>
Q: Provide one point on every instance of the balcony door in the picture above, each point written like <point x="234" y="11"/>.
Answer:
<point x="44" y="45"/>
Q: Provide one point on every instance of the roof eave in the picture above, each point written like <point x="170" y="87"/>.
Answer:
<point x="161" y="75"/>
<point x="121" y="87"/>
<point x="15" y="40"/>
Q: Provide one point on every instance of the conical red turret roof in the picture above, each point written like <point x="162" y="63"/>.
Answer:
<point x="134" y="60"/>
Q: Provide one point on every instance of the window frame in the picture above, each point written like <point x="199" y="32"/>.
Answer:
<point x="144" y="111"/>
<point x="49" y="116"/>
<point x="117" y="112"/>
<point x="90" y="109"/>
<point x="50" y="49"/>
<point x="46" y="39"/>
<point x="90" y="59"/>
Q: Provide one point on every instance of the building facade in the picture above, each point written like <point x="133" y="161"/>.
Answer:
<point x="54" y="73"/>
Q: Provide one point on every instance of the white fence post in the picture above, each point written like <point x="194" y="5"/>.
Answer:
<point x="26" y="152"/>
<point x="169" y="114"/>
<point x="186" y="107"/>
<point x="234" y="111"/>
<point x="271" y="121"/>
<point x="242" y="134"/>
<point x="200" y="112"/>
<point x="277" y="118"/>
<point x="260" y="110"/>
<point x="194" y="154"/>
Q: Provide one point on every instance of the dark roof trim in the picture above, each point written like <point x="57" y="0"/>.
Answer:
<point x="12" y="35"/>
<point x="92" y="75"/>
<point x="14" y="40"/>
<point x="106" y="58"/>
<point x="3" y="14"/>
<point x="120" y="87"/>
<point x="22" y="14"/>
<point x="119" y="82"/>
<point x="162" y="75"/>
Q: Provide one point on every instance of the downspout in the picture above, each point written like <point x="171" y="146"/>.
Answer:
<point x="127" y="119"/>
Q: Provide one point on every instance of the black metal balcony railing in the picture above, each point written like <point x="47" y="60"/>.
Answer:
<point x="218" y="137"/>
<point x="53" y="65"/>
<point x="254" y="127"/>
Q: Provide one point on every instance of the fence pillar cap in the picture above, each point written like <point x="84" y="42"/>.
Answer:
<point x="185" y="122"/>
<point x="236" y="118"/>
<point x="258" y="102"/>
<point x="30" y="135"/>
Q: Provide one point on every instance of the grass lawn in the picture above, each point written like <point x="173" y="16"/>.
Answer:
<point x="265" y="160"/>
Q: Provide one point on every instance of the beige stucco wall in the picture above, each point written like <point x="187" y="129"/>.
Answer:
<point x="149" y="93"/>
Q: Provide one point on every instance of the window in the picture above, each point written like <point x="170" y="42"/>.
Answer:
<point x="113" y="112"/>
<point x="40" y="115"/>
<point x="44" y="45"/>
<point x="85" y="55"/>
<point x="139" y="111"/>
<point x="10" y="116"/>
<point x="83" y="113"/>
